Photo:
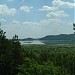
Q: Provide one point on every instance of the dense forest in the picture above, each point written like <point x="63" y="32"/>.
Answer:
<point x="17" y="59"/>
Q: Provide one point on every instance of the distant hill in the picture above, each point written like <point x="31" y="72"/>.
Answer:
<point x="53" y="37"/>
<point x="27" y="39"/>
<point x="59" y="37"/>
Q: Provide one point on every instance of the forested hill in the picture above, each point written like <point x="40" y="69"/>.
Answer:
<point x="53" y="37"/>
<point x="59" y="37"/>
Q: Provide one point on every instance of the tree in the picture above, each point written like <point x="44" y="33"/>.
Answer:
<point x="74" y="27"/>
<point x="10" y="55"/>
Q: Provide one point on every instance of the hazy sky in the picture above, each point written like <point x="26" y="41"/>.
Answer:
<point x="36" y="18"/>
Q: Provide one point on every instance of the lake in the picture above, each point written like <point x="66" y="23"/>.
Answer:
<point x="48" y="42"/>
<point x="32" y="42"/>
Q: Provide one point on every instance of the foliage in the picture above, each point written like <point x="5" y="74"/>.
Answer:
<point x="48" y="60"/>
<point x="10" y="55"/>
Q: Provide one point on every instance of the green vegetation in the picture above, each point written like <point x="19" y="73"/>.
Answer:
<point x="35" y="59"/>
<point x="48" y="60"/>
<point x="10" y="55"/>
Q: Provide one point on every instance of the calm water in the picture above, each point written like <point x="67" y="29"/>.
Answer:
<point x="48" y="42"/>
<point x="32" y="42"/>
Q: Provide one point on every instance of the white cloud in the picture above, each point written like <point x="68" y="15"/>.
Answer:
<point x="47" y="8"/>
<point x="42" y="28"/>
<point x="56" y="9"/>
<point x="63" y="3"/>
<point x="26" y="8"/>
<point x="23" y="29"/>
<point x="16" y="22"/>
<point x="5" y="10"/>
<point x="2" y="20"/>
<point x="51" y="21"/>
<point x="57" y="14"/>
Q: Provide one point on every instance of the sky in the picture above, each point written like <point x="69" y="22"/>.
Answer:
<point x="36" y="18"/>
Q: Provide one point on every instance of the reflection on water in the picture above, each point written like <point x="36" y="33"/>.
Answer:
<point x="32" y="42"/>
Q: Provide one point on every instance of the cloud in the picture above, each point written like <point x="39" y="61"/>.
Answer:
<point x="47" y="8"/>
<point x="2" y="20"/>
<point x="57" y="14"/>
<point x="56" y="10"/>
<point x="26" y="8"/>
<point x="63" y="3"/>
<point x="56" y="4"/>
<point x="16" y="22"/>
<point x="5" y="10"/>
<point x="35" y="29"/>
<point x="30" y="28"/>
<point x="22" y="29"/>
<point x="53" y="21"/>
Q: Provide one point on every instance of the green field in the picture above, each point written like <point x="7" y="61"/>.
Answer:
<point x="48" y="60"/>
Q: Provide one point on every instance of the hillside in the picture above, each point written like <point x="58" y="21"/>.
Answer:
<point x="59" y="37"/>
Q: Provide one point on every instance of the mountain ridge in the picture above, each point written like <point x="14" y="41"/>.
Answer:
<point x="59" y="37"/>
<point x="53" y="37"/>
